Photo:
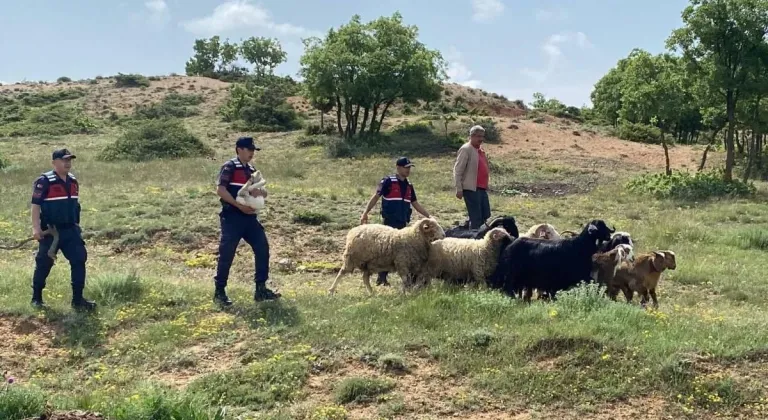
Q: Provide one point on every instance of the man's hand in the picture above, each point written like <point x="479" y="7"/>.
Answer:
<point x="245" y="209"/>
<point x="37" y="233"/>
<point x="364" y="219"/>
<point x="459" y="194"/>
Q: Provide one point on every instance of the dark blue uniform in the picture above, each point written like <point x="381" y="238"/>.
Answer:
<point x="59" y="207"/>
<point x="236" y="225"/>
<point x="396" y="210"/>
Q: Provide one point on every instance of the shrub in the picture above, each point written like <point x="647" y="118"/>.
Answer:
<point x="20" y="403"/>
<point x="311" y="218"/>
<point x="311" y="141"/>
<point x="63" y="79"/>
<point x="173" y="105"/>
<point x="259" y="108"/>
<point x="492" y="132"/>
<point x="156" y="139"/>
<point x="162" y="404"/>
<point x="361" y="389"/>
<point x="52" y="120"/>
<point x="131" y="81"/>
<point x="3" y="162"/>
<point x="683" y="185"/>
<point x="315" y="129"/>
<point x="642" y="133"/>
<point x="39" y="99"/>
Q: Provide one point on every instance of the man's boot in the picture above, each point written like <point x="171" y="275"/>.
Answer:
<point x="381" y="280"/>
<point x="220" y="297"/>
<point x="80" y="303"/>
<point x="263" y="293"/>
<point x="37" y="298"/>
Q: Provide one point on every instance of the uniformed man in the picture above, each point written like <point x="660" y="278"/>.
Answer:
<point x="398" y="195"/>
<point x="55" y="204"/>
<point x="239" y="222"/>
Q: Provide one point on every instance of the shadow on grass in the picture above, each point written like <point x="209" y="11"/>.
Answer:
<point x="76" y="329"/>
<point x="275" y="313"/>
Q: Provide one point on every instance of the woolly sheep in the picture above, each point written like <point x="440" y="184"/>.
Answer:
<point x="255" y="182"/>
<point x="373" y="248"/>
<point x="460" y="259"/>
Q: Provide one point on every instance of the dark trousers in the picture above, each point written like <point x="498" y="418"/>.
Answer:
<point x="236" y="226"/>
<point x="397" y="225"/>
<point x="72" y="246"/>
<point x="478" y="207"/>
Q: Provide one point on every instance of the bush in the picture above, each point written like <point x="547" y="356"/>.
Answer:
<point x="683" y="185"/>
<point x="259" y="108"/>
<point x="492" y="132"/>
<point x="173" y="105"/>
<point x="642" y="133"/>
<point x="311" y="141"/>
<point x="315" y="129"/>
<point x="20" y="403"/>
<point x="311" y="218"/>
<point x="3" y="162"/>
<point x="361" y="389"/>
<point x="131" y="81"/>
<point x="156" y="139"/>
<point x="52" y="120"/>
<point x="63" y="79"/>
<point x="39" y="99"/>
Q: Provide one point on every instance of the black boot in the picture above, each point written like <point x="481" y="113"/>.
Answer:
<point x="263" y="293"/>
<point x="82" y="304"/>
<point x="220" y="297"/>
<point x="382" y="279"/>
<point x="37" y="298"/>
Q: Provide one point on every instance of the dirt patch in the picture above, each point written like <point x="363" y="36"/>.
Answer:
<point x="546" y="140"/>
<point x="23" y="341"/>
<point x="69" y="415"/>
<point x="547" y="189"/>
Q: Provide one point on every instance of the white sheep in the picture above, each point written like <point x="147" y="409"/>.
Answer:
<point x="542" y="231"/>
<point x="373" y="248"/>
<point x="244" y="196"/>
<point x="460" y="259"/>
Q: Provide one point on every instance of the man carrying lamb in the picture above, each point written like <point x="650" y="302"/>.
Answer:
<point x="471" y="176"/>
<point x="238" y="221"/>
<point x="398" y="195"/>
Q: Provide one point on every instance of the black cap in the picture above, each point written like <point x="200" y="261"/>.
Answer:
<point x="247" y="143"/>
<point x="405" y="162"/>
<point x="62" y="154"/>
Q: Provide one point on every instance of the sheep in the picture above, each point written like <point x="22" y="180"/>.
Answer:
<point x="52" y="250"/>
<point x="255" y="182"/>
<point x="549" y="266"/>
<point x="459" y="259"/>
<point x="373" y="248"/>
<point x="605" y="264"/>
<point x="542" y="231"/>
<point x="643" y="275"/>
<point x="463" y="231"/>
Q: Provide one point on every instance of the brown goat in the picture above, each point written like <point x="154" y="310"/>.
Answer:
<point x="643" y="276"/>
<point x="605" y="264"/>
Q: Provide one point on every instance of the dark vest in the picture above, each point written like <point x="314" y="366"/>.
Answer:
<point x="396" y="204"/>
<point x="240" y="176"/>
<point x="61" y="206"/>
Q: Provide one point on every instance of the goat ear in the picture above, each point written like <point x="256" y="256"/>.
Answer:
<point x="658" y="261"/>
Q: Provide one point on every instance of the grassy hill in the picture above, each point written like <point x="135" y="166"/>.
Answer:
<point x="158" y="348"/>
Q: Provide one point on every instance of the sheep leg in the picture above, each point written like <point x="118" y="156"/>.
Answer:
<point x="332" y="289"/>
<point x="628" y="293"/>
<point x="643" y="297"/>
<point x="528" y="293"/>
<point x="653" y="296"/>
<point x="367" y="282"/>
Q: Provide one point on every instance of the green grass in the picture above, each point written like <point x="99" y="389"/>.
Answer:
<point x="158" y="346"/>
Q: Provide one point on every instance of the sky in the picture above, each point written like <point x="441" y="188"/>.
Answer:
<point x="512" y="47"/>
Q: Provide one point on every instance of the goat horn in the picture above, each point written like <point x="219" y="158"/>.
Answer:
<point x="613" y="229"/>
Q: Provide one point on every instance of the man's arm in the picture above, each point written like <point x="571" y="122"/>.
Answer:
<point x="40" y="191"/>
<point x="372" y="202"/>
<point x="420" y="209"/>
<point x="224" y="178"/>
<point x="462" y="158"/>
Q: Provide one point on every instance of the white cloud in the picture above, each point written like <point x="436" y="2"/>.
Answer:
<point x="552" y="14"/>
<point x="486" y="10"/>
<point x="457" y="71"/>
<point x="552" y="48"/>
<point x="240" y="14"/>
<point x="158" y="11"/>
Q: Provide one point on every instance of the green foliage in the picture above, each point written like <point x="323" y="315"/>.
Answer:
<point x="492" y="131"/>
<point x="263" y="53"/>
<point x="156" y="139"/>
<point x="259" y="108"/>
<point x="216" y="59"/>
<point x="638" y="132"/>
<point x="369" y="66"/>
<point x="315" y="129"/>
<point x="63" y="79"/>
<point x="3" y="162"/>
<point x="173" y="105"/>
<point x="311" y="218"/>
<point x="20" y="403"/>
<point x="260" y="385"/>
<point x="361" y="389"/>
<point x="161" y="404"/>
<point x="38" y="99"/>
<point x="683" y="185"/>
<point x="57" y="119"/>
<point x="117" y="289"/>
<point x="131" y="81"/>
<point x="411" y="139"/>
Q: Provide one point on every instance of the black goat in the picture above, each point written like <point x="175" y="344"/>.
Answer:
<point x="548" y="265"/>
<point x="617" y="239"/>
<point x="463" y="231"/>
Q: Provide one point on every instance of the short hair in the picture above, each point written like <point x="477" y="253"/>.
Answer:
<point x="475" y="129"/>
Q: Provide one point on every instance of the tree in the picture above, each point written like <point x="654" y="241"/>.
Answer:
<point x="263" y="53"/>
<point x="324" y="105"/>
<point x="726" y="36"/>
<point x="213" y="58"/>
<point x="369" y="66"/>
<point x="606" y="96"/>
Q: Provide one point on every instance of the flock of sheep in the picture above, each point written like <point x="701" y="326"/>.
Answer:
<point x="497" y="256"/>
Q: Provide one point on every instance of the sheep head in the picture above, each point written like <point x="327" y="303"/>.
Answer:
<point x="629" y="252"/>
<point x="546" y="231"/>
<point x="497" y="235"/>
<point x="256" y="177"/>
<point x="430" y="229"/>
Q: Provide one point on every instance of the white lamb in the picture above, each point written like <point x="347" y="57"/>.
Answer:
<point x="373" y="248"/>
<point x="256" y="182"/>
<point x="460" y="259"/>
